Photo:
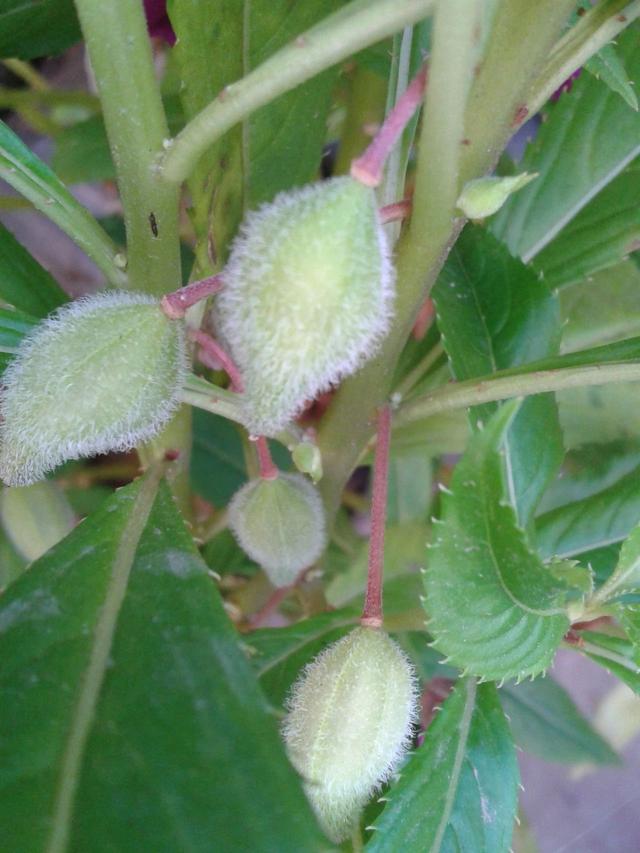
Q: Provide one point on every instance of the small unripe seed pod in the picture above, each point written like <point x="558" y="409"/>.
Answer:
<point x="104" y="373"/>
<point x="280" y="524"/>
<point x="308" y="459"/>
<point x="307" y="297"/>
<point x="349" y="722"/>
<point x="485" y="196"/>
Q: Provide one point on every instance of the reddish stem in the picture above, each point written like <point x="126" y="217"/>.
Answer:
<point x="213" y="348"/>
<point x="175" y="304"/>
<point x="261" y="616"/>
<point x="268" y="470"/>
<point x="372" y="613"/>
<point x="395" y="211"/>
<point x="368" y="168"/>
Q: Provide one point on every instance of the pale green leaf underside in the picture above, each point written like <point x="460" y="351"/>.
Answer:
<point x="491" y="602"/>
<point x="458" y="792"/>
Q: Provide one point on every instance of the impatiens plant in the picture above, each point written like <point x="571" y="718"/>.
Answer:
<point x="299" y="508"/>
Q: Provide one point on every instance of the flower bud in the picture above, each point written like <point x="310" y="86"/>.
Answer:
<point x="308" y="459"/>
<point x="104" y="373"/>
<point x="307" y="296"/>
<point x="349" y="723"/>
<point x="280" y="524"/>
<point x="485" y="196"/>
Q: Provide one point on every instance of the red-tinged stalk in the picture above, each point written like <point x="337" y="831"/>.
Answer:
<point x="175" y="304"/>
<point x="372" y="613"/>
<point x="368" y="169"/>
<point x="268" y="469"/>
<point x="213" y="348"/>
<point x="394" y="212"/>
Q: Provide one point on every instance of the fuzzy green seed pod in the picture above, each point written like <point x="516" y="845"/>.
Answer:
<point x="485" y="196"/>
<point x="349" y="723"/>
<point x="104" y="373"/>
<point x="280" y="524"/>
<point x="307" y="297"/>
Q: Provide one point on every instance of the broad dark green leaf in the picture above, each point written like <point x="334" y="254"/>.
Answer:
<point x="590" y="136"/>
<point x="217" y="461"/>
<point x="23" y="282"/>
<point x="14" y="325"/>
<point x="546" y="723"/>
<point x="604" y="232"/>
<point x="492" y="604"/>
<point x="595" y="521"/>
<point x="459" y="790"/>
<point x="280" y="145"/>
<point x="130" y="718"/>
<point x="33" y="28"/>
<point x="33" y="179"/>
<point x="494" y="313"/>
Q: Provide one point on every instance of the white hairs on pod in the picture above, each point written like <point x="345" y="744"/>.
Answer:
<point x="103" y="373"/>
<point x="349" y="723"/>
<point x="280" y="524"/>
<point x="308" y="296"/>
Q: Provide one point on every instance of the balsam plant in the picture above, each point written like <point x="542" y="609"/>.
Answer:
<point x="333" y="235"/>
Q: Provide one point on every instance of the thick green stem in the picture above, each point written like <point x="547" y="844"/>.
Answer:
<point x="504" y="77"/>
<point x="120" y="53"/>
<point x="461" y="395"/>
<point x="342" y="34"/>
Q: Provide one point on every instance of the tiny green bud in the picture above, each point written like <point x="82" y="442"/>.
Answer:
<point x="308" y="459"/>
<point x="485" y="196"/>
<point x="307" y="297"/>
<point x="349" y="721"/>
<point x="280" y="524"/>
<point x="104" y="373"/>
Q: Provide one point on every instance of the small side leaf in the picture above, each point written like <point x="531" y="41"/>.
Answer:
<point x="459" y="790"/>
<point x="492" y="604"/>
<point x="607" y="66"/>
<point x="33" y="179"/>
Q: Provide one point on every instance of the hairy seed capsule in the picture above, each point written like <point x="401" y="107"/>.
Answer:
<point x="280" y="524"/>
<point x="349" y="723"/>
<point x="307" y="296"/>
<point x="102" y="374"/>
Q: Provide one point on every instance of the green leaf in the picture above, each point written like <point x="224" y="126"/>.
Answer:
<point x="279" y="147"/>
<point x="607" y="66"/>
<point x="130" y="704"/>
<point x="546" y="723"/>
<point x="410" y="487"/>
<point x="590" y="136"/>
<point x="595" y="521"/>
<point x="492" y="604"/>
<point x="217" y="461"/>
<point x="23" y="282"/>
<point x="459" y="790"/>
<point x="494" y="314"/>
<point x="615" y="654"/>
<point x="604" y="232"/>
<point x="33" y="179"/>
<point x="37" y="27"/>
<point x="626" y="575"/>
<point x="14" y="325"/>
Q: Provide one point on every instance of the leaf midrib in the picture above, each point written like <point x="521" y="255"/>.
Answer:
<point x="73" y="754"/>
<point x="465" y="726"/>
